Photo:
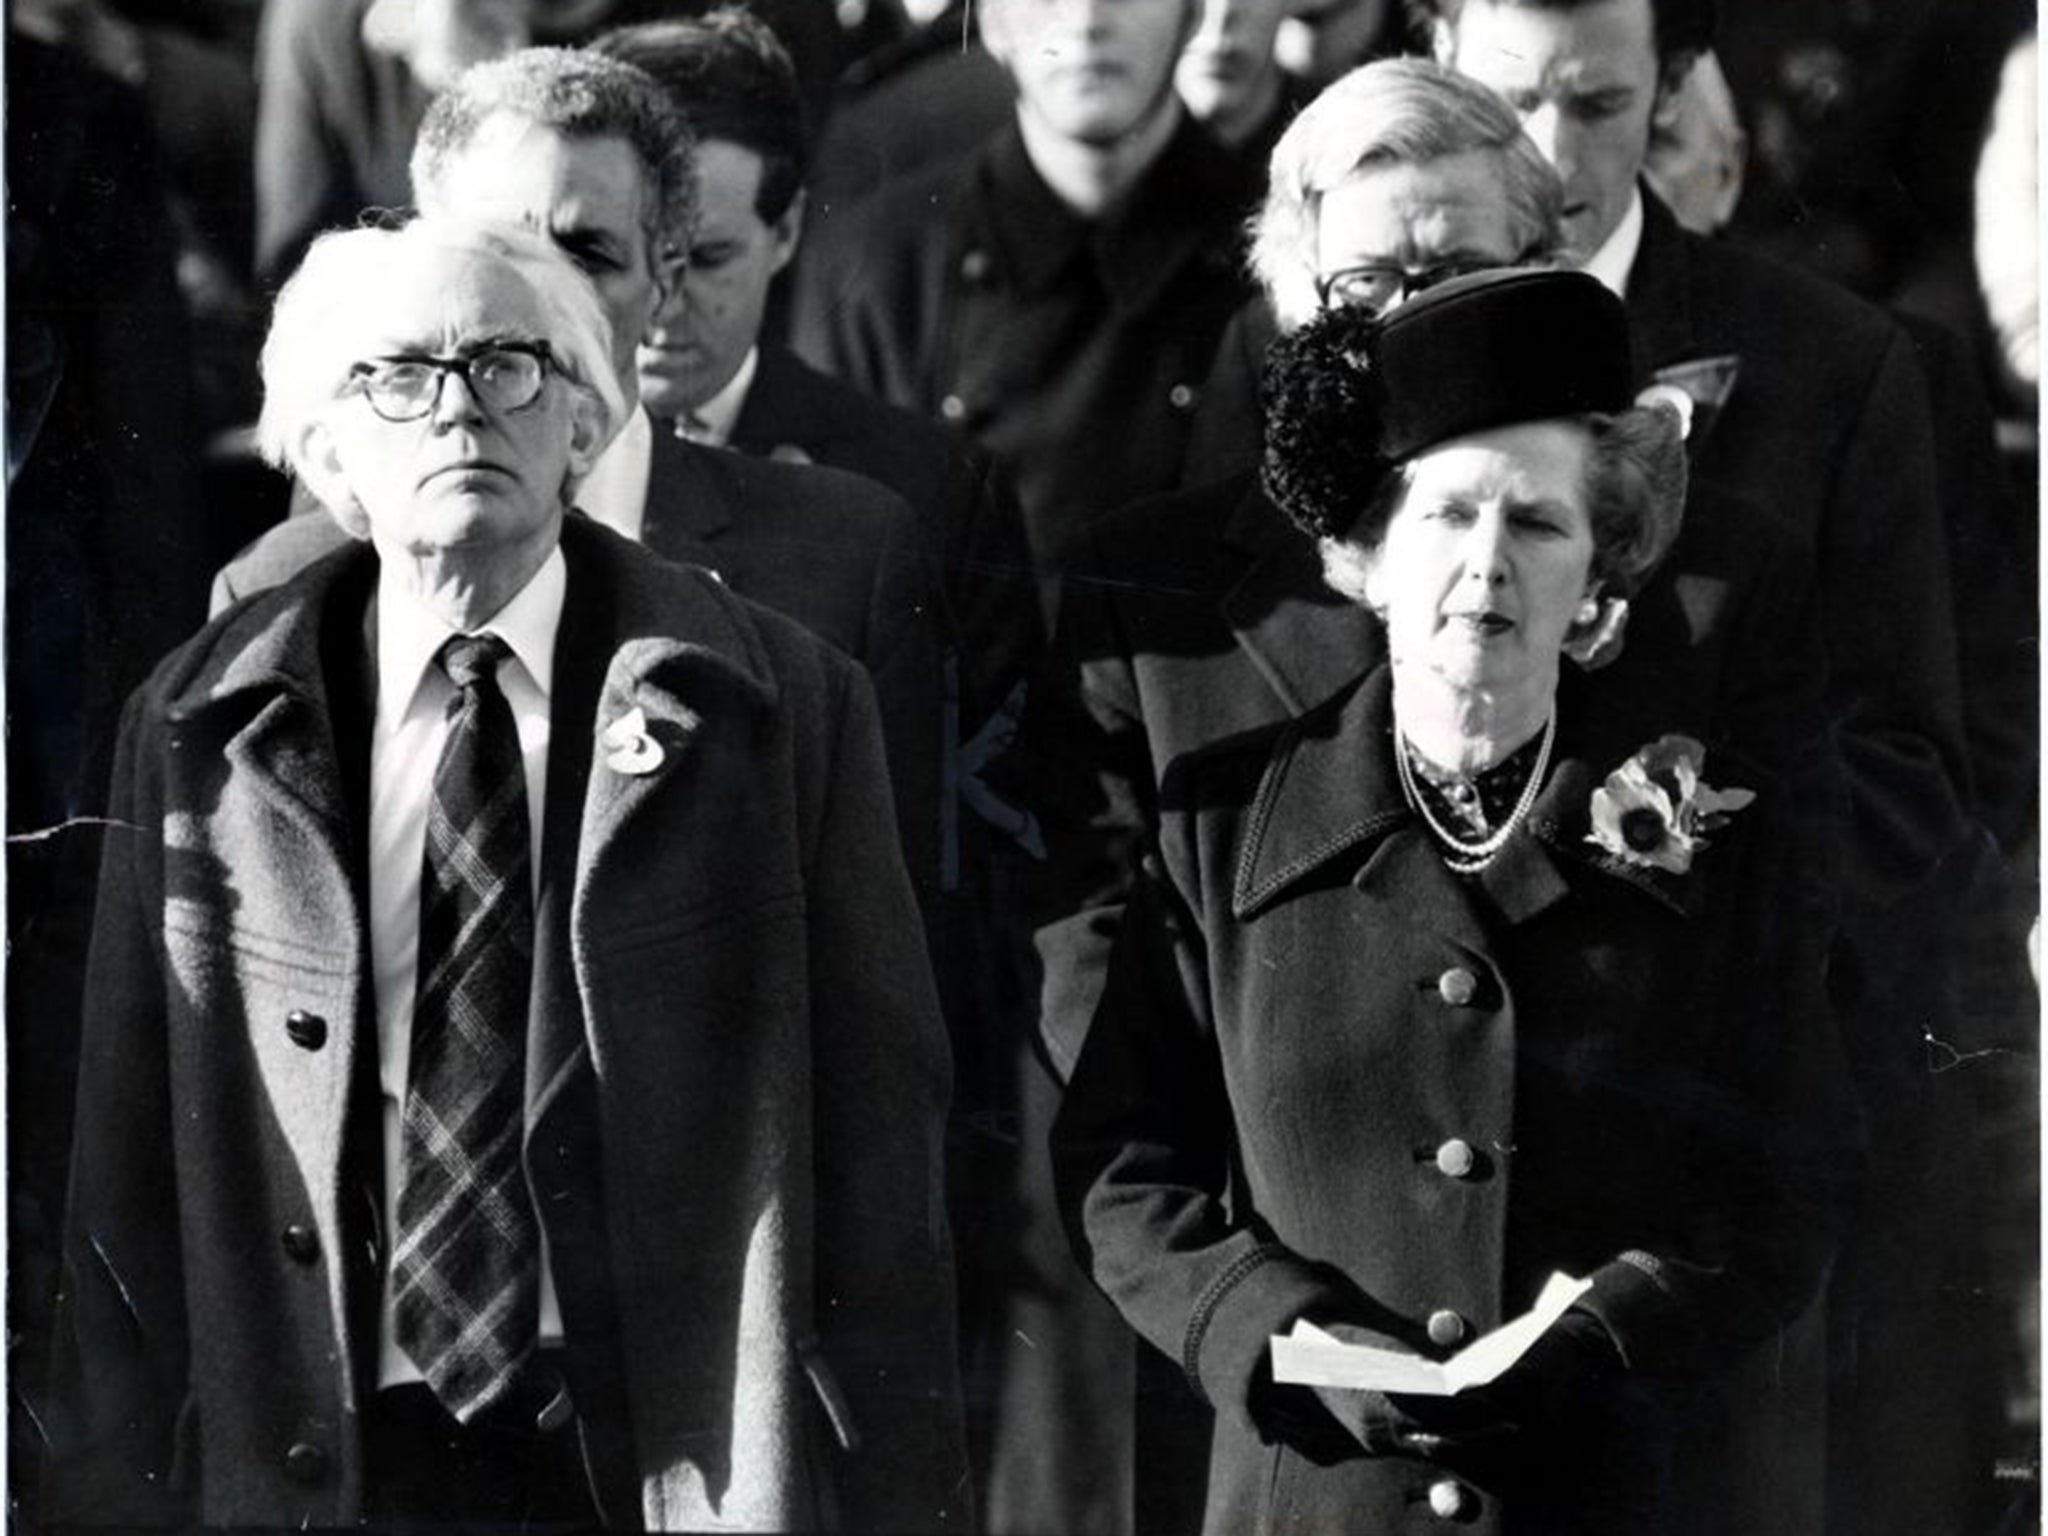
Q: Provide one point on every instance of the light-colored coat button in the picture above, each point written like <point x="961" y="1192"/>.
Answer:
<point x="1457" y="986"/>
<point x="1445" y="1327"/>
<point x="953" y="408"/>
<point x="1450" y="1500"/>
<point x="1455" y="1159"/>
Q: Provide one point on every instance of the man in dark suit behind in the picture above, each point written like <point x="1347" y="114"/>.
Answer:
<point x="587" y="149"/>
<point x="706" y="368"/>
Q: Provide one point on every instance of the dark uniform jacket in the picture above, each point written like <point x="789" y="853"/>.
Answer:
<point x="1331" y="1079"/>
<point x="736" y="1079"/>
<point x="1071" y="350"/>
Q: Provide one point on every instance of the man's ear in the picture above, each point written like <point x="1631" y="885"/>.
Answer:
<point x="317" y="460"/>
<point x="587" y="437"/>
<point x="1443" y="39"/>
<point x="789" y="230"/>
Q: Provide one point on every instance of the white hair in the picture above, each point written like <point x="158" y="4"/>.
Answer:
<point x="332" y="301"/>
<point x="1394" y="112"/>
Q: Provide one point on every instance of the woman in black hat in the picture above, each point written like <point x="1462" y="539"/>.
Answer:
<point x="1462" y="980"/>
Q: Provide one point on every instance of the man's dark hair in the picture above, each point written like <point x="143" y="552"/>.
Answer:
<point x="579" y="96"/>
<point x="1685" y="28"/>
<point x="731" y="79"/>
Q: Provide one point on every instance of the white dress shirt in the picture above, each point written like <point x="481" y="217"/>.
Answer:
<point x="1616" y="258"/>
<point x="712" y="422"/>
<point x="405" y="746"/>
<point x="615" y="490"/>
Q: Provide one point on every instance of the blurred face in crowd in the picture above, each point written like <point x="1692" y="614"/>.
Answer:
<point x="1489" y="554"/>
<point x="1319" y="40"/>
<point x="1227" y="66"/>
<point x="1092" y="71"/>
<point x="719" y="290"/>
<point x="589" y="196"/>
<point x="471" y="485"/>
<point x="1584" y="79"/>
<point x="439" y="39"/>
<point x="1389" y="232"/>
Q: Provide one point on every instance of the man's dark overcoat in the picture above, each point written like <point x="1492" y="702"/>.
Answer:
<point x="1308" y="1011"/>
<point x="835" y="551"/>
<point x="737" y="1078"/>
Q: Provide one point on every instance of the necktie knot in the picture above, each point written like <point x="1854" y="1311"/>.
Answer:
<point x="470" y="659"/>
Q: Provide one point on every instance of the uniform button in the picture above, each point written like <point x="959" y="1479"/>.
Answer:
<point x="1457" y="986"/>
<point x="1450" y="1500"/>
<point x="1455" y="1159"/>
<point x="301" y="1242"/>
<point x="305" y="1463"/>
<point x="974" y="266"/>
<point x="308" y="1030"/>
<point x="953" y="408"/>
<point x="1445" y="1328"/>
<point x="1181" y="397"/>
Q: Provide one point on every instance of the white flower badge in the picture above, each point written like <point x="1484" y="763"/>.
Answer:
<point x="631" y="750"/>
<point x="1655" y="810"/>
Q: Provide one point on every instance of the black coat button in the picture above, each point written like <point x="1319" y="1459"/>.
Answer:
<point x="308" y="1030"/>
<point x="305" y="1463"/>
<point x="301" y="1242"/>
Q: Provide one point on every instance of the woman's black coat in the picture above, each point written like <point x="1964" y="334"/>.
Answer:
<point x="1331" y="1079"/>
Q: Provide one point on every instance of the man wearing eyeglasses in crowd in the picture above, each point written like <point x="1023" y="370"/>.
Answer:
<point x="511" y="1086"/>
<point x="1203" y="615"/>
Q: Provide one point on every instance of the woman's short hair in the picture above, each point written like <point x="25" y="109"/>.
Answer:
<point x="331" y="302"/>
<point x="1394" y="112"/>
<point x="1635" y="501"/>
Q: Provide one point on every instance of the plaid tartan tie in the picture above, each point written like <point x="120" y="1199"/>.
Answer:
<point x="466" y="1268"/>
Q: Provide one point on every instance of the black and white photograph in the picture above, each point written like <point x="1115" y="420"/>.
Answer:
<point x="1042" y="767"/>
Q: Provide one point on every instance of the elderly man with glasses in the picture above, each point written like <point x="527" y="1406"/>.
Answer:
<point x="512" y="1084"/>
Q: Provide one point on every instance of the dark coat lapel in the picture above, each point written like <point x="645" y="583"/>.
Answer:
<point x="688" y="506"/>
<point x="1663" y="328"/>
<point x="1305" y="640"/>
<point x="1330" y="789"/>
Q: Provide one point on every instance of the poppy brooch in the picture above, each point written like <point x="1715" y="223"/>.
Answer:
<point x="1655" y="810"/>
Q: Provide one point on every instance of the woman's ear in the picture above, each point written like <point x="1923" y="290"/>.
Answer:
<point x="1595" y="637"/>
<point x="1352" y="570"/>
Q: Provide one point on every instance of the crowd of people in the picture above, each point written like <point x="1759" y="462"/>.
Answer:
<point x="780" y="765"/>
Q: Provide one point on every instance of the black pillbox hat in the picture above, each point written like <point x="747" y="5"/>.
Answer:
<point x="1494" y="348"/>
<point x="1348" y="396"/>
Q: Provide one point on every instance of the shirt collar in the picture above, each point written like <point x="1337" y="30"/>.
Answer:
<point x="409" y="634"/>
<point x="721" y="413"/>
<point x="615" y="490"/>
<point x="1616" y="258"/>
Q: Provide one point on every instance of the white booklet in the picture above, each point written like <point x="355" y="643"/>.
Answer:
<point x="1309" y="1357"/>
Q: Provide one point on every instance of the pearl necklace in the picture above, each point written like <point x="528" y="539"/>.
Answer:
<point x="1461" y="856"/>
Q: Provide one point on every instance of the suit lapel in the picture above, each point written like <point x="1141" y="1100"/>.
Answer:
<point x="688" y="510"/>
<point x="780" y="412"/>
<point x="1304" y="639"/>
<point x="1663" y="326"/>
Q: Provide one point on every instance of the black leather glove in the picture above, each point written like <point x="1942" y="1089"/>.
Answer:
<point x="1385" y="1424"/>
<point x="1571" y="1369"/>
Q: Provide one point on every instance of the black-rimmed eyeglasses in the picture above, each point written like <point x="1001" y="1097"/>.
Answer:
<point x="505" y="376"/>
<point x="1377" y="286"/>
